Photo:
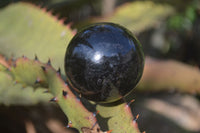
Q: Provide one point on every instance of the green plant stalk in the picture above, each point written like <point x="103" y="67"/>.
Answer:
<point x="15" y="93"/>
<point x="33" y="73"/>
<point x="35" y="32"/>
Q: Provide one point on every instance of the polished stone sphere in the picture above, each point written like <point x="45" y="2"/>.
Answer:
<point x="104" y="62"/>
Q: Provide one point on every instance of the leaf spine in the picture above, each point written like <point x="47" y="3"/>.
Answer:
<point x="36" y="58"/>
<point x="54" y="99"/>
<point x="64" y="94"/>
<point x="49" y="62"/>
<point x="58" y="71"/>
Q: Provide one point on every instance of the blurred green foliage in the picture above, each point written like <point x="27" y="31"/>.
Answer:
<point x="39" y="33"/>
<point x="183" y="20"/>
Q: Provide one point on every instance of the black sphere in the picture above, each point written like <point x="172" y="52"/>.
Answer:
<point x="104" y="62"/>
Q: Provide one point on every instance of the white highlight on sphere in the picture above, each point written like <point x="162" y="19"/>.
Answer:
<point x="97" y="57"/>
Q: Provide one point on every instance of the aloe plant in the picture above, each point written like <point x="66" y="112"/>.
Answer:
<point x="32" y="73"/>
<point x="38" y="33"/>
<point x="42" y="40"/>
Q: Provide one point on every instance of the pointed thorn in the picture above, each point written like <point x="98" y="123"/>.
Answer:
<point x="128" y="104"/>
<point x="80" y="96"/>
<point x="69" y="25"/>
<point x="38" y="80"/>
<point x="94" y="125"/>
<point x="36" y="58"/>
<point x="74" y="32"/>
<point x="44" y="9"/>
<point x="64" y="94"/>
<point x="109" y="131"/>
<point x="54" y="99"/>
<point x="62" y="20"/>
<point x="57" y="16"/>
<point x="24" y="57"/>
<point x="96" y="113"/>
<point x="132" y="100"/>
<point x="78" y="99"/>
<point x="50" y="12"/>
<point x="136" y="118"/>
<point x="59" y="71"/>
<point x="49" y="62"/>
<point x="43" y="68"/>
<point x="69" y="124"/>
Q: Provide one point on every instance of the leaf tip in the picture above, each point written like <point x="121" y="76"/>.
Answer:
<point x="36" y="58"/>
<point x="54" y="99"/>
<point x="136" y="118"/>
<point x="64" y="94"/>
<point x="109" y="131"/>
<point x="58" y="72"/>
<point x="129" y="103"/>
<point x="43" y="68"/>
<point x="38" y="80"/>
<point x="24" y="57"/>
<point x="49" y="62"/>
<point x="69" y="124"/>
<point x="96" y="113"/>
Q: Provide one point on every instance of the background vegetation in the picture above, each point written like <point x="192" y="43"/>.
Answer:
<point x="166" y="99"/>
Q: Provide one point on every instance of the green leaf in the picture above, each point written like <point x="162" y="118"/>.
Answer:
<point x="137" y="16"/>
<point x="26" y="72"/>
<point x="28" y="30"/>
<point x="70" y="104"/>
<point x="12" y="93"/>
<point x="140" y="15"/>
<point x="119" y="118"/>
<point x="33" y="31"/>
